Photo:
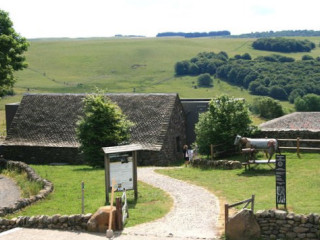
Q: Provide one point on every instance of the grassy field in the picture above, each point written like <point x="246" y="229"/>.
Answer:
<point x="126" y="65"/>
<point x="303" y="183"/>
<point x="152" y="202"/>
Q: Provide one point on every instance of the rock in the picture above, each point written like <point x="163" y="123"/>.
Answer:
<point x="99" y="221"/>
<point x="243" y="226"/>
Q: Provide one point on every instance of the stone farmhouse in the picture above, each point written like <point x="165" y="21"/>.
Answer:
<point x="305" y="125"/>
<point x="43" y="127"/>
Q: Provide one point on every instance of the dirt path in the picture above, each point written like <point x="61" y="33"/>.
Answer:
<point x="194" y="214"/>
<point x="9" y="192"/>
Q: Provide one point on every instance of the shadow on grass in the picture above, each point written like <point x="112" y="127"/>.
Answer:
<point x="256" y="172"/>
<point x="87" y="169"/>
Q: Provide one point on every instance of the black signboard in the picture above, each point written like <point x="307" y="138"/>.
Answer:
<point x="281" y="195"/>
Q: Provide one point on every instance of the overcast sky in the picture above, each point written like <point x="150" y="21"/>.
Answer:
<point x="105" y="18"/>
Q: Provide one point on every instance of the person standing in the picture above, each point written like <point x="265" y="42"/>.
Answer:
<point x="185" y="155"/>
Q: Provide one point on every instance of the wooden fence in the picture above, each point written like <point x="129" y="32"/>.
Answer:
<point x="298" y="145"/>
<point x="227" y="206"/>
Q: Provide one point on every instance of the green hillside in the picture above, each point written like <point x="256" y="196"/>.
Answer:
<point x="126" y="65"/>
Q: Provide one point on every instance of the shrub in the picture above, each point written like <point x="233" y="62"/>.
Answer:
<point x="103" y="125"/>
<point x="225" y="118"/>
<point x="205" y="80"/>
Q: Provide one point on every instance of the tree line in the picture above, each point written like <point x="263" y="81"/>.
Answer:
<point x="283" y="45"/>
<point x="285" y="33"/>
<point x="194" y="34"/>
<point x="276" y="76"/>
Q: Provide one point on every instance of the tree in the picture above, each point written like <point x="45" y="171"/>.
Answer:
<point x="12" y="47"/>
<point x="225" y="118"/>
<point x="204" y="80"/>
<point x="182" y="68"/>
<point x="102" y="125"/>
<point x="278" y="93"/>
<point x="309" y="102"/>
<point x="267" y="107"/>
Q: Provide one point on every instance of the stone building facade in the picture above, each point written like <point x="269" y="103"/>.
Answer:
<point x="43" y="128"/>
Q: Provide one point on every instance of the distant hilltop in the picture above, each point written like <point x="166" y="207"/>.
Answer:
<point x="129" y="36"/>
<point x="284" y="33"/>
<point x="194" y="34"/>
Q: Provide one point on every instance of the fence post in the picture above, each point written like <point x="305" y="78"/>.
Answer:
<point x="298" y="147"/>
<point x="119" y="213"/>
<point x="252" y="204"/>
<point x="226" y="216"/>
<point x="82" y="197"/>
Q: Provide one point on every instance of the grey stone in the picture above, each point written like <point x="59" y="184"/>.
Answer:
<point x="280" y="214"/>
<point x="243" y="226"/>
<point x="300" y="229"/>
<point x="291" y="235"/>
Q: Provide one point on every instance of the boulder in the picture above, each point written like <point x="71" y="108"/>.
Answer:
<point x="243" y="226"/>
<point x="99" y="222"/>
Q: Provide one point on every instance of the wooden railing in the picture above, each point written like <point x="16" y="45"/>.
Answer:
<point x="227" y="206"/>
<point x="298" y="145"/>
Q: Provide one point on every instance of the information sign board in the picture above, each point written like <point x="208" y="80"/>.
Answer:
<point x="280" y="172"/>
<point x="121" y="170"/>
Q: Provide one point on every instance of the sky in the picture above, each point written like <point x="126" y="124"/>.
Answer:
<point x="106" y="18"/>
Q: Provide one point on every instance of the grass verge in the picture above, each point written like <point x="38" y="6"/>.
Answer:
<point x="303" y="183"/>
<point x="28" y="188"/>
<point x="152" y="202"/>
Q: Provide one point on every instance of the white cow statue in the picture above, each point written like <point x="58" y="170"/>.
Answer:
<point x="268" y="145"/>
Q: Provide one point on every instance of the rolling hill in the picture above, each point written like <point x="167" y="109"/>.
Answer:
<point x="126" y="65"/>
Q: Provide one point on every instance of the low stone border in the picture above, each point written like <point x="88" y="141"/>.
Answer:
<point x="32" y="176"/>
<point x="73" y="222"/>
<point x="277" y="224"/>
<point x="220" y="164"/>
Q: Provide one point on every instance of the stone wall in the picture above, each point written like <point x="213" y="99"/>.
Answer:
<point x="175" y="136"/>
<point x="216" y="164"/>
<point x="64" y="222"/>
<point x="292" y="134"/>
<point x="32" y="176"/>
<point x="277" y="224"/>
<point x="42" y="155"/>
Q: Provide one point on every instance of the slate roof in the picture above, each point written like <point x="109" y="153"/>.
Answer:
<point x="50" y="119"/>
<point x="295" y="121"/>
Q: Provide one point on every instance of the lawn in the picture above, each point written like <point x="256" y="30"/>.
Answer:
<point x="152" y="202"/>
<point x="303" y="183"/>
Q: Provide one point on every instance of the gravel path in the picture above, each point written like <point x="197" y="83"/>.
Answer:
<point x="194" y="215"/>
<point x="9" y="192"/>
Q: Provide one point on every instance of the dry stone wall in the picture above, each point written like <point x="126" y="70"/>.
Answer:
<point x="32" y="176"/>
<point x="76" y="222"/>
<point x="277" y="224"/>
<point x="216" y="164"/>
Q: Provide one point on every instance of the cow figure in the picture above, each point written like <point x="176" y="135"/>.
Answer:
<point x="268" y="145"/>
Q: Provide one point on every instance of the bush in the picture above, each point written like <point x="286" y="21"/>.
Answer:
<point x="309" y="102"/>
<point x="103" y="125"/>
<point x="225" y="118"/>
<point x="205" y="80"/>
<point x="267" y="107"/>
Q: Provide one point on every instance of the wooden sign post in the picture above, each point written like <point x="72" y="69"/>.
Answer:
<point x="281" y="191"/>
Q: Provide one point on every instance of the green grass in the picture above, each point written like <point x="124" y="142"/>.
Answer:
<point x="303" y="183"/>
<point x="28" y="188"/>
<point x="152" y="202"/>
